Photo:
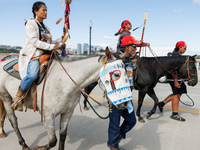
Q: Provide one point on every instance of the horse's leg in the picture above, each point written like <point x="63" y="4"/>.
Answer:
<point x="13" y="120"/>
<point x="2" y="118"/>
<point x="152" y="94"/>
<point x="49" y="123"/>
<point x="88" y="90"/>
<point x="141" y="96"/>
<point x="64" y="120"/>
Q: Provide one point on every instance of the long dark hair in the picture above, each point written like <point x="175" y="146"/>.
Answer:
<point x="36" y="6"/>
<point x="176" y="49"/>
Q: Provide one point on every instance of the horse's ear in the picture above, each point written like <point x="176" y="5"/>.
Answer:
<point x="107" y="52"/>
<point x="194" y="56"/>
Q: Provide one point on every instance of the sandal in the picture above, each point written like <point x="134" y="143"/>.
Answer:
<point x="177" y="117"/>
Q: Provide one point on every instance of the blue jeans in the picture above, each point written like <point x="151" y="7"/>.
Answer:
<point x="115" y="130"/>
<point x="32" y="74"/>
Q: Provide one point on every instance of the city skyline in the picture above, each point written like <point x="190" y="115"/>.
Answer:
<point x="168" y="22"/>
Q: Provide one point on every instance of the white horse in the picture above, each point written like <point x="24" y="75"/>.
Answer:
<point x="61" y="96"/>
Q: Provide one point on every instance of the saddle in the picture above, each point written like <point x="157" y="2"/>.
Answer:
<point x="13" y="69"/>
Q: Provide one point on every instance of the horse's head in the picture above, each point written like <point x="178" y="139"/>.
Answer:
<point x="107" y="56"/>
<point x="188" y="71"/>
<point x="114" y="80"/>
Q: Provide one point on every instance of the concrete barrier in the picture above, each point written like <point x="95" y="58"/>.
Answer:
<point x="198" y="68"/>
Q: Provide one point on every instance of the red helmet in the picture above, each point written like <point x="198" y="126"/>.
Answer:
<point x="129" y="40"/>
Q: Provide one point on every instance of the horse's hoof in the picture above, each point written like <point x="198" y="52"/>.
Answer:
<point x="85" y="108"/>
<point x="36" y="148"/>
<point x="3" y="135"/>
<point x="27" y="148"/>
<point x="148" y="115"/>
<point x="40" y="148"/>
<point x="141" y="120"/>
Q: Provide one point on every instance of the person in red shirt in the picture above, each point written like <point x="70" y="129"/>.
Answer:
<point x="123" y="31"/>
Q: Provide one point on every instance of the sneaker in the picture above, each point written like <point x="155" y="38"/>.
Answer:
<point x="160" y="107"/>
<point x="177" y="117"/>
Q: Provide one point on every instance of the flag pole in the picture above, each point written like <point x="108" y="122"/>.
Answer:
<point x="145" y="18"/>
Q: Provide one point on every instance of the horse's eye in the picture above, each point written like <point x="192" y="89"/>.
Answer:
<point x="117" y="74"/>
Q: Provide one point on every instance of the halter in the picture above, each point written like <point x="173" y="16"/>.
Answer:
<point x="188" y="70"/>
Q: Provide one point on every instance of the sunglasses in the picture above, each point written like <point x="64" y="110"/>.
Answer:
<point x="134" y="46"/>
<point x="184" y="47"/>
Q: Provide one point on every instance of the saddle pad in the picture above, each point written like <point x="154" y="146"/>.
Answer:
<point x="114" y="79"/>
<point x="9" y="69"/>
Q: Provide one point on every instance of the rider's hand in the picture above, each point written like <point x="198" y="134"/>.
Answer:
<point x="62" y="37"/>
<point x="148" y="44"/>
<point x="59" y="51"/>
<point x="176" y="84"/>
<point x="56" y="46"/>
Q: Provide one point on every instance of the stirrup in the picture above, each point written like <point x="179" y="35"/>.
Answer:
<point x="14" y="104"/>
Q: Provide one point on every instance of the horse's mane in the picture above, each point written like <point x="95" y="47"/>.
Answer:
<point x="77" y="58"/>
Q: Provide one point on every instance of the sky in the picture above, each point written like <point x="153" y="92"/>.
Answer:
<point x="168" y="21"/>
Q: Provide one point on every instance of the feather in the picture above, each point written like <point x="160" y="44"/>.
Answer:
<point x="59" y="20"/>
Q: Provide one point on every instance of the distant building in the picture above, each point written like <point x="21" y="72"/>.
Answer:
<point x="5" y="46"/>
<point x="16" y="47"/>
<point x="85" y="48"/>
<point x="97" y="48"/>
<point x="79" y="48"/>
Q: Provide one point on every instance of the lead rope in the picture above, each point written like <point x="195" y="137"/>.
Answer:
<point x="74" y="81"/>
<point x="188" y="97"/>
<point x="44" y="86"/>
<point x="54" y="52"/>
<point x="95" y="110"/>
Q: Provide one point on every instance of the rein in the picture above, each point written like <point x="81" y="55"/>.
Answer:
<point x="188" y="71"/>
<point x="187" y="62"/>
<point x="54" y="52"/>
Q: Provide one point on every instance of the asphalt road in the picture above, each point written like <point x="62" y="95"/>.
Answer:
<point x="88" y="132"/>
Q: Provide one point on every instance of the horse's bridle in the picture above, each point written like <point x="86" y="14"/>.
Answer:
<point x="188" y="70"/>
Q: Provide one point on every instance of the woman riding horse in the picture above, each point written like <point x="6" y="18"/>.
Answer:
<point x="37" y="39"/>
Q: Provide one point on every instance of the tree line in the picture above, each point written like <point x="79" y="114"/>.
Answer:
<point x="8" y="50"/>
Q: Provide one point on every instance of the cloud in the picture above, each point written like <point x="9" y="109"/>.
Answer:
<point x="110" y="37"/>
<point x="197" y="2"/>
<point x="157" y="51"/>
<point x="178" y="10"/>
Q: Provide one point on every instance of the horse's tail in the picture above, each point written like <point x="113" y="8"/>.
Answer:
<point x="2" y="110"/>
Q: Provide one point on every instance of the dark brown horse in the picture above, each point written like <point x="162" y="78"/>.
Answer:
<point x="149" y="71"/>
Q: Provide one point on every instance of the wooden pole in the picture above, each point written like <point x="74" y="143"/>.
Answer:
<point x="145" y="18"/>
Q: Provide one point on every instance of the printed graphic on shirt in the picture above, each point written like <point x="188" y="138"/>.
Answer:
<point x="46" y="35"/>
